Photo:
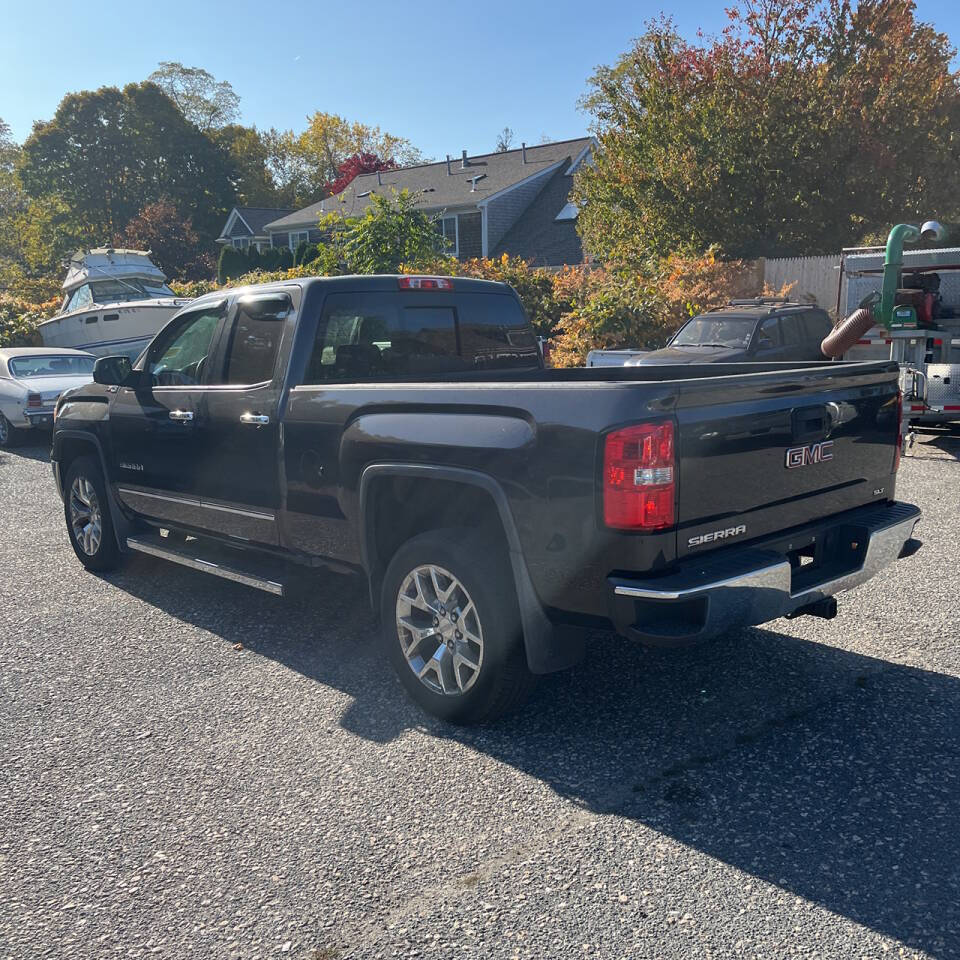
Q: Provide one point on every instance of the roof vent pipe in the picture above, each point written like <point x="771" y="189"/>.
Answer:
<point x="464" y="162"/>
<point x="523" y="151"/>
<point x="449" y="171"/>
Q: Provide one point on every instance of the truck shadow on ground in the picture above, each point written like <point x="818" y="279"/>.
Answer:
<point x="35" y="447"/>
<point x="833" y="775"/>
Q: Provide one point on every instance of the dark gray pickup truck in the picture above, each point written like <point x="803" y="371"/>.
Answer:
<point x="404" y="428"/>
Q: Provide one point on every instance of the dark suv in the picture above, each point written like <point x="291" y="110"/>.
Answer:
<point x="762" y="329"/>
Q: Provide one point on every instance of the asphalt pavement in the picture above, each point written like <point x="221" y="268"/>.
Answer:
<point x="192" y="768"/>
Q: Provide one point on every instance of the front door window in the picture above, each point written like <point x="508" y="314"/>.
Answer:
<point x="179" y="356"/>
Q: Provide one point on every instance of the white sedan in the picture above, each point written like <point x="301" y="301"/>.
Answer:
<point x="31" y="380"/>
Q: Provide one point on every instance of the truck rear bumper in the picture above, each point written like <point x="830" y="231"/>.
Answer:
<point x="739" y="587"/>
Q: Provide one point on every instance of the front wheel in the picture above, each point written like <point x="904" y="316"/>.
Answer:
<point x="87" y="512"/>
<point x="452" y="628"/>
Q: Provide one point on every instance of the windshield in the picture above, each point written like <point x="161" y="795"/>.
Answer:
<point x="51" y="366"/>
<point x="110" y="291"/>
<point x="715" y="331"/>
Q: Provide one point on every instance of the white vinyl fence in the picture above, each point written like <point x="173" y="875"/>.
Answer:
<point x="813" y="278"/>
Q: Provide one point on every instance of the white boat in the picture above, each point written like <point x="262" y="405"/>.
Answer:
<point x="114" y="302"/>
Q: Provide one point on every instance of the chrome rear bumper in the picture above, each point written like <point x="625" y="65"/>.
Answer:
<point x="751" y="585"/>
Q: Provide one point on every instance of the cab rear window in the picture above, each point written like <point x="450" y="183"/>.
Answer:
<point x="380" y="337"/>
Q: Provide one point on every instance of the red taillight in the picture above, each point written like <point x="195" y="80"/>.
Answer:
<point x="639" y="477"/>
<point x="425" y="283"/>
<point x="899" y="447"/>
<point x="34" y="400"/>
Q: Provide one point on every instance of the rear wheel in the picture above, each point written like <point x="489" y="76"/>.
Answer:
<point x="452" y="628"/>
<point x="87" y="512"/>
<point x="8" y="433"/>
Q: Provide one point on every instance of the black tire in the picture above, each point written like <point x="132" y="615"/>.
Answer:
<point x="106" y="554"/>
<point x="9" y="434"/>
<point x="503" y="679"/>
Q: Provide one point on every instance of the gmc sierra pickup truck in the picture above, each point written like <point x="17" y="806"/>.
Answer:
<point x="404" y="428"/>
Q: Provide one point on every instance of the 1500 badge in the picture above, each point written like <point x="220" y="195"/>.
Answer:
<point x="805" y="456"/>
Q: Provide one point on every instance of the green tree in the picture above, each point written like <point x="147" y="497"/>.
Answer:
<point x="391" y="232"/>
<point x="109" y="153"/>
<point x="12" y="202"/>
<point x="304" y="253"/>
<point x="251" y="176"/>
<point x="254" y="260"/>
<point x="270" y="259"/>
<point x="798" y="130"/>
<point x="297" y="179"/>
<point x="202" y="99"/>
<point x="34" y="234"/>
<point x="231" y="263"/>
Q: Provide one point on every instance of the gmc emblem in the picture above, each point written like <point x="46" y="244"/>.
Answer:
<point x="804" y="456"/>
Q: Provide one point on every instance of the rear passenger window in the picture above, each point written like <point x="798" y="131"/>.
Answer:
<point x="768" y="336"/>
<point x="818" y="325"/>
<point x="373" y="337"/>
<point x="494" y="333"/>
<point x="793" y="334"/>
<point x="254" y="340"/>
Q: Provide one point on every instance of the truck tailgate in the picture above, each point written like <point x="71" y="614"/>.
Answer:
<point x="765" y="452"/>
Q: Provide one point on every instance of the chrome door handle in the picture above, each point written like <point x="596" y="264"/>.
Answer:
<point x="257" y="419"/>
<point x="183" y="416"/>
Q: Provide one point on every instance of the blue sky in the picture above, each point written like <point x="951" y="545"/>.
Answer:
<point x="446" y="75"/>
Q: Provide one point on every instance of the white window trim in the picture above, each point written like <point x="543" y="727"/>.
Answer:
<point x="455" y="249"/>
<point x="305" y="234"/>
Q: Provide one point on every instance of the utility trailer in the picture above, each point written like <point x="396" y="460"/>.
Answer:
<point x="928" y="353"/>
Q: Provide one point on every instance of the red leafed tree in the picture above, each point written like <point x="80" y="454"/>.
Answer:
<point x="356" y="164"/>
<point x="171" y="239"/>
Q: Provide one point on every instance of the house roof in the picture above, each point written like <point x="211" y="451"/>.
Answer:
<point x="438" y="189"/>
<point x="255" y="218"/>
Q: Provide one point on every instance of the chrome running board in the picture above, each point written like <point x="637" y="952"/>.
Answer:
<point x="208" y="558"/>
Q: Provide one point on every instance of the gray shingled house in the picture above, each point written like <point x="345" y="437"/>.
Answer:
<point x="245" y="227"/>
<point x="515" y="202"/>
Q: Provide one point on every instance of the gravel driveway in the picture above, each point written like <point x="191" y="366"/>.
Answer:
<point x="189" y="767"/>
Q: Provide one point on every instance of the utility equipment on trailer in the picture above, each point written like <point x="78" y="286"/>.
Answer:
<point x="907" y="305"/>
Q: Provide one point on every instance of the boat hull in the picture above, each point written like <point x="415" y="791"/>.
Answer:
<point x="115" y="329"/>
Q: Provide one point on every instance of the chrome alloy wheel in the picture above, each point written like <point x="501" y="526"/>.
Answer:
<point x="85" y="518"/>
<point x="439" y="630"/>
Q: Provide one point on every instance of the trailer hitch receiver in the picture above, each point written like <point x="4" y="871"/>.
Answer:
<point x="826" y="609"/>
